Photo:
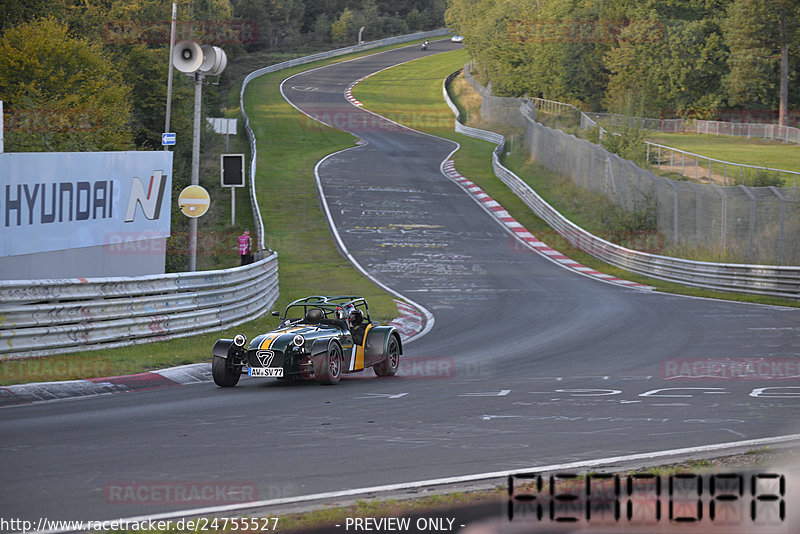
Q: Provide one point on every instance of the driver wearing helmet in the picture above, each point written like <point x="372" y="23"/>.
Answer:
<point x="355" y="320"/>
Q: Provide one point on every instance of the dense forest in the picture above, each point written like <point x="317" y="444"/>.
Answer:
<point x="91" y="74"/>
<point x="667" y="58"/>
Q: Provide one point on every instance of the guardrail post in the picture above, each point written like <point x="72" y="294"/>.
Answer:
<point x="723" y="242"/>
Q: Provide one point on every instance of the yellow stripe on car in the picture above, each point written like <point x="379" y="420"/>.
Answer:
<point x="269" y="339"/>
<point x="360" y="350"/>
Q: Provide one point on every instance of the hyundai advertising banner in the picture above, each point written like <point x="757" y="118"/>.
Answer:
<point x="63" y="200"/>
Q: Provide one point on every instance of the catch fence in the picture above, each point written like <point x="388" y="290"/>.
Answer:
<point x="740" y="223"/>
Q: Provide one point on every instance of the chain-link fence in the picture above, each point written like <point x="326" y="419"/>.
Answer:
<point x="750" y="130"/>
<point x="624" y="121"/>
<point x="747" y="224"/>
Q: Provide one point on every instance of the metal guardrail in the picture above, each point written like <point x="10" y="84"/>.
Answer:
<point x="259" y="221"/>
<point x="46" y="317"/>
<point x="709" y="177"/>
<point x="756" y="279"/>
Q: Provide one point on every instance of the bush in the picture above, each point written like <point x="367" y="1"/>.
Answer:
<point x="628" y="144"/>
<point x="763" y="178"/>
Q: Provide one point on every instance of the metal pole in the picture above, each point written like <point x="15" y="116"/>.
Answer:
<point x="169" y="76"/>
<point x="233" y="206"/>
<point x="752" y="229"/>
<point x="360" y="31"/>
<point x="782" y="200"/>
<point x="198" y="98"/>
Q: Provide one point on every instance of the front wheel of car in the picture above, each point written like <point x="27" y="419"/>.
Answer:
<point x="225" y="375"/>
<point x="390" y="364"/>
<point x="328" y="366"/>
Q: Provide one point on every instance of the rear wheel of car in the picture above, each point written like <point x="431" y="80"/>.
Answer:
<point x="225" y="375"/>
<point x="389" y="366"/>
<point x="328" y="366"/>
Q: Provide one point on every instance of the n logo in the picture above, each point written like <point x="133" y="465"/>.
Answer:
<point x="150" y="201"/>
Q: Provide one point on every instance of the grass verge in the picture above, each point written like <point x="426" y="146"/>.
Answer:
<point x="407" y="93"/>
<point x="772" y="154"/>
<point x="289" y="146"/>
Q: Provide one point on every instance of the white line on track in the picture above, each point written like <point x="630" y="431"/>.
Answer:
<point x="582" y="464"/>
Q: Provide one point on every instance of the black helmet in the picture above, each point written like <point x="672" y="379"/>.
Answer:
<point x="356" y="317"/>
<point x="314" y="315"/>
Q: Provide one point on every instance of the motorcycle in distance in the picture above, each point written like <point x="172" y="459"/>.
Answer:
<point x="424" y="45"/>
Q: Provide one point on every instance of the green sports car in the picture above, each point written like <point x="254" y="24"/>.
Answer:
<point x="318" y="337"/>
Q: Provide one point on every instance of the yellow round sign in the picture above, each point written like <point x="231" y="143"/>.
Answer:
<point x="194" y="201"/>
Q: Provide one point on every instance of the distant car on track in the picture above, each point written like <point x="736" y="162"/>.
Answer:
<point x="318" y="337"/>
<point x="457" y="38"/>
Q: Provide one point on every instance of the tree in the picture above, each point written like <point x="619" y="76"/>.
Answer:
<point x="14" y="12"/>
<point x="759" y="34"/>
<point x="342" y="28"/>
<point x="322" y="28"/>
<point x="64" y="92"/>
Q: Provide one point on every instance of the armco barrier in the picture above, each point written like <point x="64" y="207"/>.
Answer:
<point x="259" y="222"/>
<point x="45" y="317"/>
<point x="782" y="281"/>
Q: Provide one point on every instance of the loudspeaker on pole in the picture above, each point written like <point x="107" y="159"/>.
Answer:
<point x="214" y="60"/>
<point x="187" y="56"/>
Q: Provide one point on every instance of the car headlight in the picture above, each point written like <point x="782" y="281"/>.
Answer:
<point x="239" y="340"/>
<point x="298" y="340"/>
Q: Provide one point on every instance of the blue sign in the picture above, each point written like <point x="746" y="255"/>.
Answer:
<point x="168" y="138"/>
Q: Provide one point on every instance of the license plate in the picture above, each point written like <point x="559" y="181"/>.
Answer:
<point x="269" y="372"/>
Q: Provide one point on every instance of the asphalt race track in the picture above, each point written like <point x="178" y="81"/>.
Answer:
<point x="526" y="364"/>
